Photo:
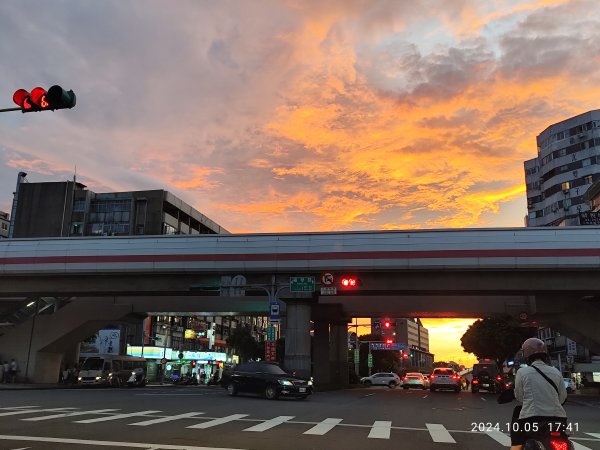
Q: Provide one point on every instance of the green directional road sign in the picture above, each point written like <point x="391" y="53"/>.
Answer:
<point x="370" y="360"/>
<point x="302" y="284"/>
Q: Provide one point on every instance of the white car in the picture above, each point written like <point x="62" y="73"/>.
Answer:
<point x="388" y="379"/>
<point x="415" y="380"/>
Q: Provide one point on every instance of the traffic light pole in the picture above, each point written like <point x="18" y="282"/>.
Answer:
<point x="10" y="109"/>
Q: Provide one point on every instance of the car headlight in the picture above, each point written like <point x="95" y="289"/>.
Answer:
<point x="286" y="382"/>
<point x="309" y="382"/>
<point x="98" y="378"/>
<point x="132" y="373"/>
<point x="110" y="374"/>
<point x="79" y="378"/>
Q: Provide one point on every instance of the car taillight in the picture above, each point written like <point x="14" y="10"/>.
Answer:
<point x="456" y="377"/>
<point x="499" y="378"/>
<point x="432" y="377"/>
<point x="559" y="445"/>
<point x="507" y="385"/>
<point x="405" y="378"/>
<point x="475" y="381"/>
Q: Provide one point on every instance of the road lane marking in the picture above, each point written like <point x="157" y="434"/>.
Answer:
<point x="28" y="411"/>
<point x="117" y="416"/>
<point x="167" y="419"/>
<point x="19" y="407"/>
<point x="483" y="399"/>
<point x="439" y="433"/>
<point x="380" y="430"/>
<point x="577" y="446"/>
<point x="596" y="435"/>
<point x="499" y="437"/>
<point x="268" y="424"/>
<point x="144" y="445"/>
<point x="69" y="414"/>
<point x="215" y="422"/>
<point x="323" y="427"/>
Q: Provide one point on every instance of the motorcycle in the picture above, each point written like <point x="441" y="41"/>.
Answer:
<point x="546" y="435"/>
<point x="137" y="378"/>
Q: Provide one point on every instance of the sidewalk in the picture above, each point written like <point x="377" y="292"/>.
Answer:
<point x="40" y="386"/>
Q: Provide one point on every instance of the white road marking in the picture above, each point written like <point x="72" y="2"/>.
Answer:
<point x="166" y="419"/>
<point x="268" y="424"/>
<point x="499" y="437"/>
<point x="29" y="411"/>
<point x="323" y="427"/>
<point x="425" y="396"/>
<point x="69" y="414"/>
<point x="596" y="435"/>
<point x="117" y="416"/>
<point x="19" y="407"/>
<point x="21" y="448"/>
<point x="380" y="430"/>
<point x="483" y="399"/>
<point x="579" y="446"/>
<point x="144" y="445"/>
<point x="439" y="433"/>
<point x="215" y="422"/>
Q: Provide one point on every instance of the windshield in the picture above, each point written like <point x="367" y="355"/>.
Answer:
<point x="92" y="364"/>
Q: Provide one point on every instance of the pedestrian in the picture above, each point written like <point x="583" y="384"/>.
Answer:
<point x="5" y="372"/>
<point x="202" y="376"/>
<point x="13" y="370"/>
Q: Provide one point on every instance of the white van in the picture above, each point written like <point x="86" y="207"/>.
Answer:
<point x="112" y="370"/>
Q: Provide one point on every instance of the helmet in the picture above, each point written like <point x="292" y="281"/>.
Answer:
<point x="533" y="346"/>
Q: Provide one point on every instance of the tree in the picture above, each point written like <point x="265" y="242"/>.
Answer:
<point x="243" y="343"/>
<point x="383" y="360"/>
<point x="494" y="338"/>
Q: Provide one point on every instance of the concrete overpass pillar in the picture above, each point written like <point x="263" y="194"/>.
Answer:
<point x="297" y="338"/>
<point x="338" y="354"/>
<point x="321" y="369"/>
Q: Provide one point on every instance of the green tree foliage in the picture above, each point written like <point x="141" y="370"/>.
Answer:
<point x="497" y="339"/>
<point x="383" y="360"/>
<point x="244" y="345"/>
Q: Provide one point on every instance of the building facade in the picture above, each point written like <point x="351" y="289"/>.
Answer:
<point x="567" y="164"/>
<point x="410" y="332"/>
<point x="69" y="209"/>
<point x="4" y="224"/>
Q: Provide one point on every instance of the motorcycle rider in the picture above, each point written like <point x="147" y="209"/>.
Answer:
<point x="542" y="397"/>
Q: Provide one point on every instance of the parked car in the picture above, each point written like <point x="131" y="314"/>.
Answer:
<point x="487" y="377"/>
<point x="267" y="379"/>
<point x="444" y="378"/>
<point x="388" y="379"/>
<point x="570" y="385"/>
<point x="414" y="380"/>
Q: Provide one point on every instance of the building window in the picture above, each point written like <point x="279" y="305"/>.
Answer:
<point x="566" y="186"/>
<point x="588" y="179"/>
<point x="79" y="206"/>
<point x="77" y="229"/>
<point x="168" y="229"/>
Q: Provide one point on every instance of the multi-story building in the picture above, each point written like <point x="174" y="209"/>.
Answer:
<point x="410" y="332"/>
<point x="4" y="224"/>
<point x="563" y="190"/>
<point x="567" y="163"/>
<point x="69" y="209"/>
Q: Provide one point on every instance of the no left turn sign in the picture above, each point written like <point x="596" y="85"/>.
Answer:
<point x="327" y="279"/>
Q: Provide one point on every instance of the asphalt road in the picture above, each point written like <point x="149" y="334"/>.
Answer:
<point x="198" y="417"/>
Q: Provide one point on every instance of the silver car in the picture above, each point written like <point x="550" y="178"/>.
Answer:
<point x="388" y="379"/>
<point x="414" y="380"/>
<point x="444" y="378"/>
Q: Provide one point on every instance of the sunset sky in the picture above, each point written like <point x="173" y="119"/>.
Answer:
<point x="290" y="115"/>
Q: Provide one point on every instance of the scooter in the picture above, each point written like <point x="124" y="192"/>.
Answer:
<point x="544" y="436"/>
<point x="137" y="378"/>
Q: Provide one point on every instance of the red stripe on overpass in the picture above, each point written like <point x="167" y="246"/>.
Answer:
<point x="412" y="254"/>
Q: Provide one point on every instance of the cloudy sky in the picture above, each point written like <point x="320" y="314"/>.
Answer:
<point x="299" y="115"/>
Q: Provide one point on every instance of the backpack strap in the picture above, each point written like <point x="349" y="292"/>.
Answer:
<point x="547" y="379"/>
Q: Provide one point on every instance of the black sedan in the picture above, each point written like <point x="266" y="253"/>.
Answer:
<point x="267" y="379"/>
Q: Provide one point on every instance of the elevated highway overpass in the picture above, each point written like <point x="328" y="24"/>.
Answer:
<point x="550" y="275"/>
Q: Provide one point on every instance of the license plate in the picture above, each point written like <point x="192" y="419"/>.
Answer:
<point x="485" y="385"/>
<point x="302" y="389"/>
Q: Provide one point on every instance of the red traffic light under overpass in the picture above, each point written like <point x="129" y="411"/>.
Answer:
<point x="41" y="100"/>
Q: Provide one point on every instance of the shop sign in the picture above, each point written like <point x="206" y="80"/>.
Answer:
<point x="205" y="356"/>
<point x="190" y="334"/>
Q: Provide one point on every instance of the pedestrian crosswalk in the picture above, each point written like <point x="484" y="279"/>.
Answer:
<point x="199" y="420"/>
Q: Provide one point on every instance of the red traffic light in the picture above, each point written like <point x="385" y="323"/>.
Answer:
<point x="387" y="324"/>
<point x="40" y="100"/>
<point x="389" y="341"/>
<point x="349" y="281"/>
